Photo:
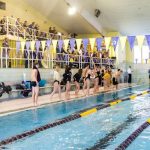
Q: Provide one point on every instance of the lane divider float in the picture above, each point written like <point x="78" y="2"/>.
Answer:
<point x="133" y="136"/>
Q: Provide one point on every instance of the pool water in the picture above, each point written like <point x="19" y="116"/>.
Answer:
<point x="105" y="129"/>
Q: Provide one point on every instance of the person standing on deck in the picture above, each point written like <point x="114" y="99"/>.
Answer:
<point x="35" y="79"/>
<point x="129" y="75"/>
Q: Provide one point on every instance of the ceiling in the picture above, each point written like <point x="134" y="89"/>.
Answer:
<point x="129" y="17"/>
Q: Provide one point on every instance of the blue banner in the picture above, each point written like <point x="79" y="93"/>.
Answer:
<point x="27" y="45"/>
<point x="131" y="40"/>
<point x="72" y="44"/>
<point x="148" y="40"/>
<point x="115" y="42"/>
<point x="18" y="45"/>
<point x="60" y="44"/>
<point x="85" y="44"/>
<point x="99" y="43"/>
<point x="37" y="45"/>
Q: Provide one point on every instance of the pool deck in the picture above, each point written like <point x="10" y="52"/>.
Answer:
<point x="15" y="105"/>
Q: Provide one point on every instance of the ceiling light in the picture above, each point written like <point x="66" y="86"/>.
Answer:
<point x="71" y="10"/>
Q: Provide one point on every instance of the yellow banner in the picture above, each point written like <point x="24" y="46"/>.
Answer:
<point x="32" y="45"/>
<point x="66" y="44"/>
<point x="140" y="40"/>
<point x="107" y="42"/>
<point x="54" y="45"/>
<point x="92" y="42"/>
<point x="43" y="45"/>
<point x="22" y="45"/>
<point x="78" y="41"/>
<point x="123" y="40"/>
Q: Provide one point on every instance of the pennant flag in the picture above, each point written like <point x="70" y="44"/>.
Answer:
<point x="33" y="45"/>
<point x="37" y="45"/>
<point x="72" y="44"/>
<point x="115" y="42"/>
<point x="78" y="41"/>
<point x="99" y="43"/>
<point x="22" y="45"/>
<point x="66" y="44"/>
<point x="140" y="40"/>
<point x="43" y="45"/>
<point x="123" y="40"/>
<point x="48" y="43"/>
<point x="92" y="42"/>
<point x="27" y="45"/>
<point x="60" y="44"/>
<point x="107" y="42"/>
<point x="85" y="44"/>
<point x="54" y="45"/>
<point x="148" y="40"/>
<point x="18" y="45"/>
<point x="131" y="40"/>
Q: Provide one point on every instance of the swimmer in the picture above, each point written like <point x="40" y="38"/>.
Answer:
<point x="35" y="79"/>
<point x="77" y="78"/>
<point x="56" y="84"/>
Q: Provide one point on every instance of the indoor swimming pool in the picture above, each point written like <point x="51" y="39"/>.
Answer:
<point x="105" y="129"/>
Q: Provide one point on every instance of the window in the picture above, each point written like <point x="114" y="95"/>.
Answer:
<point x="145" y="53"/>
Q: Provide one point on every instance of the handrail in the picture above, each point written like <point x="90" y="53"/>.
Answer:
<point x="47" y="58"/>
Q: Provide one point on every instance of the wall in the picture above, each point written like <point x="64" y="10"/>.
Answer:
<point x="19" y="8"/>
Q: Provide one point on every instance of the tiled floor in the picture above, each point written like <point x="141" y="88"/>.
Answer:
<point x="22" y="104"/>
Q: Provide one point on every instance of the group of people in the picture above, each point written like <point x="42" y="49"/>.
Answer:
<point x="32" y="29"/>
<point x="84" y="78"/>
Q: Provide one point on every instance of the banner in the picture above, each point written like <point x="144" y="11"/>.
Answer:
<point x="123" y="40"/>
<point x="115" y="42"/>
<point x="22" y="45"/>
<point x="43" y="45"/>
<point x="131" y="40"/>
<point x="60" y="44"/>
<point x="54" y="42"/>
<point x="18" y="45"/>
<point x="85" y="44"/>
<point x="66" y="44"/>
<point x="27" y="45"/>
<point x="107" y="42"/>
<point x="33" y="45"/>
<point x="92" y="42"/>
<point x="72" y="44"/>
<point x="140" y="40"/>
<point x="37" y="45"/>
<point x="48" y="43"/>
<point x="148" y="40"/>
<point x="99" y="43"/>
<point x="78" y="41"/>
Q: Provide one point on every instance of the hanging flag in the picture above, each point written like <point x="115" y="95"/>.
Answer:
<point x="37" y="45"/>
<point x="131" y="40"/>
<point x="123" y="40"/>
<point x="43" y="45"/>
<point x="22" y="45"/>
<point x="18" y="45"/>
<point x="27" y="45"/>
<point x="48" y="43"/>
<point x="107" y="42"/>
<point x="78" y="41"/>
<point x="85" y="44"/>
<point x="54" y="45"/>
<point x="148" y="40"/>
<point x="60" y="44"/>
<point x="72" y="44"/>
<point x="66" y="44"/>
<point x="115" y="42"/>
<point x="33" y="45"/>
<point x="140" y="40"/>
<point x="99" y="43"/>
<point x="92" y="42"/>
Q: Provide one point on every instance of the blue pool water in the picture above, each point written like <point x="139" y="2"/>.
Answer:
<point x="81" y="133"/>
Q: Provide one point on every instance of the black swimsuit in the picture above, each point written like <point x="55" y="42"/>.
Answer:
<point x="33" y="83"/>
<point x="77" y="77"/>
<point x="67" y="77"/>
<point x="98" y="74"/>
<point x="88" y="77"/>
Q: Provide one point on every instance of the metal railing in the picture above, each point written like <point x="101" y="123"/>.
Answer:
<point x="10" y="26"/>
<point x="11" y="58"/>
